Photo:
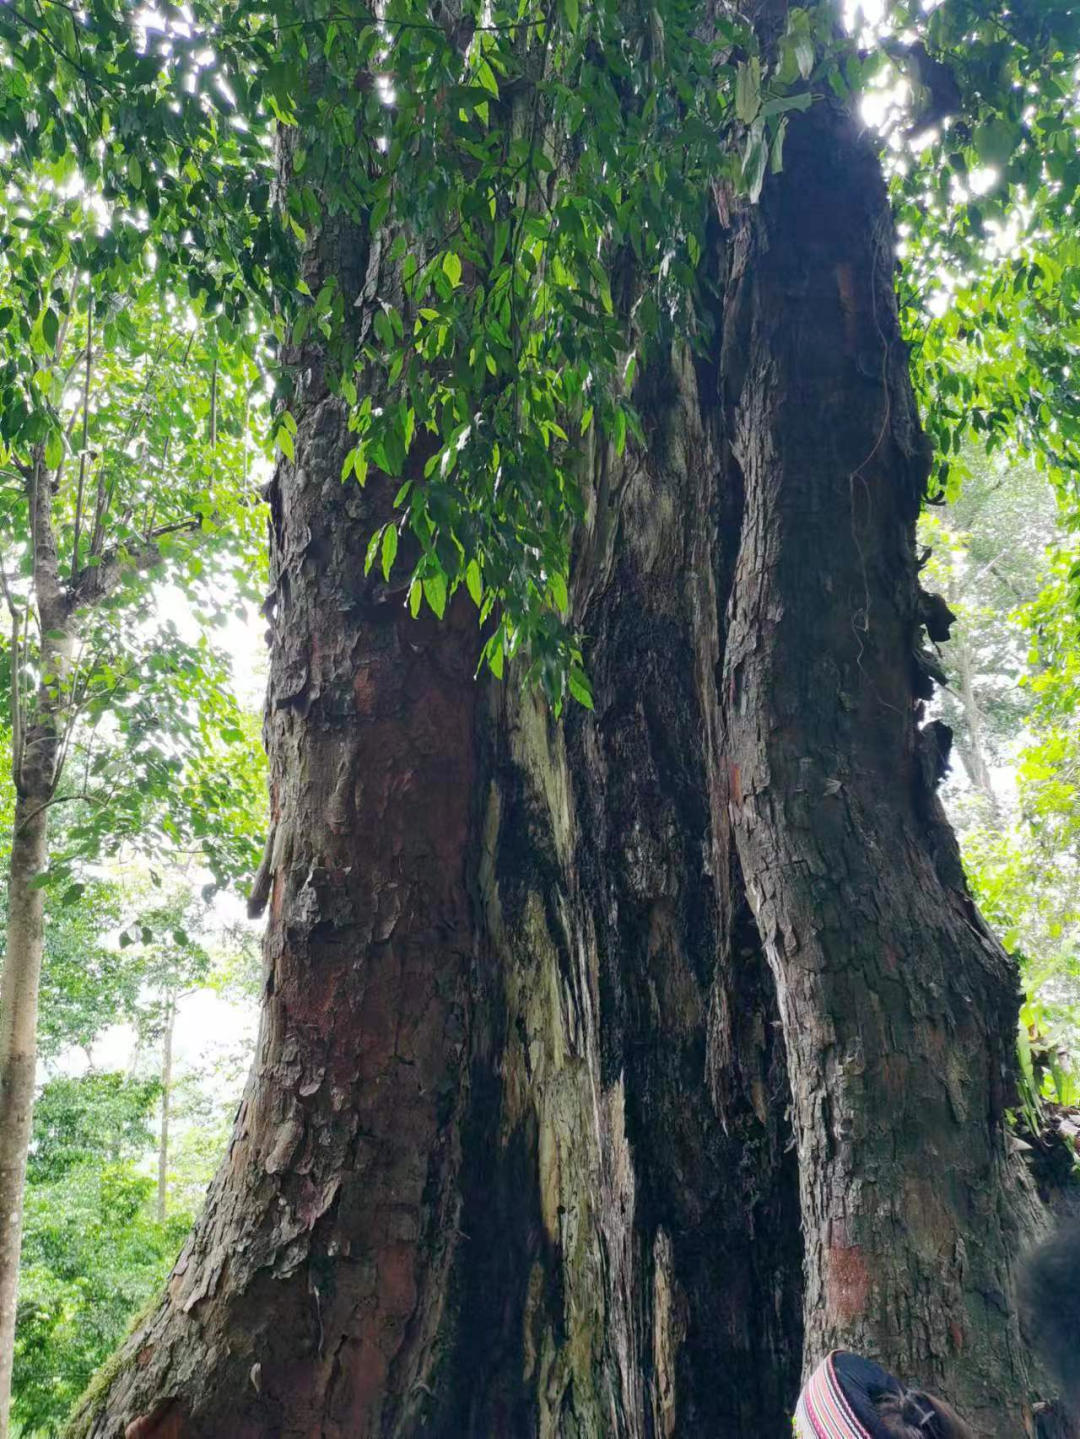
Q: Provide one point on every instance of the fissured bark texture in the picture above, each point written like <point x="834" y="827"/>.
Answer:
<point x="898" y="1006"/>
<point x="514" y="1157"/>
<point x="543" y="999"/>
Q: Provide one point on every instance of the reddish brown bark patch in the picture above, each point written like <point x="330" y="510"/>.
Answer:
<point x="847" y="1281"/>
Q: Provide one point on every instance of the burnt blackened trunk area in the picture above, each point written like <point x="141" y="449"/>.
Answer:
<point x="898" y="1007"/>
<point x="640" y="1177"/>
<point x="573" y="1031"/>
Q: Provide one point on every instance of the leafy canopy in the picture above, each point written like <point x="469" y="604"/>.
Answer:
<point x="526" y="191"/>
<point x="134" y="420"/>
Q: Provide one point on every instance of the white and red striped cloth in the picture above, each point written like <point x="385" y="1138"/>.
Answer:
<point x="824" y="1411"/>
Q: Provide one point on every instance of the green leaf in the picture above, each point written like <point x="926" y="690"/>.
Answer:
<point x="54" y="449"/>
<point x="502" y="235"/>
<point x="571" y="12"/>
<point x="452" y="268"/>
<point x="134" y="169"/>
<point x="473" y="582"/>
<point x="995" y="142"/>
<point x="389" y="550"/>
<point x="619" y="431"/>
<point x="372" y="549"/>
<point x="486" y="76"/>
<point x="580" y="687"/>
<point x="50" y="327"/>
<point x="73" y="894"/>
<point x="557" y="585"/>
<point x="783" y="103"/>
<point x="804" y="54"/>
<point x="748" y="89"/>
<point x="284" y="442"/>
<point x="776" y="159"/>
<point x="300" y="328"/>
<point x="435" y="592"/>
<point x="755" y="158"/>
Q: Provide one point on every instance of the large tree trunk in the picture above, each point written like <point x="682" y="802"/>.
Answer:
<point x="898" y="1007"/>
<point x="18" y="1056"/>
<point x="515" y="1158"/>
<point x="497" y="1171"/>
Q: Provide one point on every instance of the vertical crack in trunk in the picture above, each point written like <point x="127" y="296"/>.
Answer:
<point x="637" y="1170"/>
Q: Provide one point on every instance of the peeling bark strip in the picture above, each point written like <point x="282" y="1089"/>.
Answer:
<point x="898" y="1007"/>
<point x="516" y="1159"/>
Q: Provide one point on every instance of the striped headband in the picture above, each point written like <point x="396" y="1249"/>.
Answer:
<point x="824" y="1411"/>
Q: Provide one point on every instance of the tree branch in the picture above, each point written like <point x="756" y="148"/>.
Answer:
<point x="94" y="582"/>
<point x="85" y="434"/>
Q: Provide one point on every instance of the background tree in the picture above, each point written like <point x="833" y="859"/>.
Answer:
<point x="1000" y="553"/>
<point x="96" y="1245"/>
<point x="116" y="477"/>
<point x="93" y="1250"/>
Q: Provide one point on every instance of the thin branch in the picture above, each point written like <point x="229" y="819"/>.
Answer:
<point x="61" y="337"/>
<point x="97" y="534"/>
<point x="85" y="433"/>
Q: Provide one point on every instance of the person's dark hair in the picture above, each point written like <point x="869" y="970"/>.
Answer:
<point x="914" y="1414"/>
<point x="1049" y="1293"/>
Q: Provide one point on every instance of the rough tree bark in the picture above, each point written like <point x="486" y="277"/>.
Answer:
<point x="497" y="1170"/>
<point x="18" y="1052"/>
<point x="515" y="1158"/>
<point x="898" y="1006"/>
